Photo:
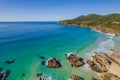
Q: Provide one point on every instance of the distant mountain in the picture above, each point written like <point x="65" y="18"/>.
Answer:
<point x="105" y="23"/>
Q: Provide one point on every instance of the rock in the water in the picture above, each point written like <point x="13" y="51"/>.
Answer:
<point x="39" y="74"/>
<point x="1" y="68"/>
<point x="43" y="63"/>
<point x="41" y="57"/>
<point x="10" y="61"/>
<point x="53" y="63"/>
<point x="42" y="78"/>
<point x="23" y="74"/>
<point x="4" y="75"/>
<point x="75" y="60"/>
<point x="76" y="77"/>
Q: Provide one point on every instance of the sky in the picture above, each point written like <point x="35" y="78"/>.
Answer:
<point x="54" y="10"/>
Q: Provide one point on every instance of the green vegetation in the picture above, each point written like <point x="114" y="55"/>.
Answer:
<point x="105" y="23"/>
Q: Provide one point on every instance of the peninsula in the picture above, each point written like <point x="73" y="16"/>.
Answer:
<point x="105" y="23"/>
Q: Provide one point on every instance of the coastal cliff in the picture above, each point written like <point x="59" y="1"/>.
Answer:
<point x="104" y="23"/>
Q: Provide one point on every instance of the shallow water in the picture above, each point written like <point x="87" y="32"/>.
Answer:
<point x="24" y="41"/>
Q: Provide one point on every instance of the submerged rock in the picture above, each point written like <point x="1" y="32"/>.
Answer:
<point x="10" y="61"/>
<point x="39" y="74"/>
<point x="41" y="57"/>
<point x="76" y="77"/>
<point x="41" y="78"/>
<point x="43" y="63"/>
<point x="1" y="68"/>
<point x="75" y="60"/>
<point x="23" y="74"/>
<point x="53" y="63"/>
<point x="4" y="75"/>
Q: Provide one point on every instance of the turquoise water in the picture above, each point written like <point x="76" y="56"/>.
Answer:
<point x="24" y="41"/>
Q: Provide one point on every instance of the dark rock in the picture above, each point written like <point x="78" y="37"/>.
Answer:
<point x="23" y="74"/>
<point x="1" y="68"/>
<point x="99" y="63"/>
<point x="41" y="77"/>
<point x="76" y="77"/>
<point x="94" y="67"/>
<point x="93" y="78"/>
<point x="53" y="63"/>
<point x="43" y="63"/>
<point x="75" y="60"/>
<point x="41" y="57"/>
<point x="39" y="74"/>
<point x="10" y="61"/>
<point x="4" y="75"/>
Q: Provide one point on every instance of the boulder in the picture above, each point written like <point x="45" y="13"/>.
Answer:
<point x="4" y="75"/>
<point x="75" y="60"/>
<point x="76" y="77"/>
<point x="53" y="63"/>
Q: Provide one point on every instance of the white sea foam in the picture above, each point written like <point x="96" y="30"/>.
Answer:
<point x="103" y="47"/>
<point x="45" y="77"/>
<point x="69" y="79"/>
<point x="47" y="61"/>
<point x="68" y="54"/>
<point x="110" y="34"/>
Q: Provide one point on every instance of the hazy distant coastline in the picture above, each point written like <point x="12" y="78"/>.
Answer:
<point x="108" y="23"/>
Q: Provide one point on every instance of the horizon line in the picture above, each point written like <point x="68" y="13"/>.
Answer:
<point x="28" y="21"/>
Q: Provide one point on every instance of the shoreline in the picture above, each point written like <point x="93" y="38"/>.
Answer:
<point x="105" y="23"/>
<point x="31" y="70"/>
<point x="92" y="28"/>
<point x="106" y="67"/>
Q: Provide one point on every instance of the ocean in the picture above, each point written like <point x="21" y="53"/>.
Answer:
<point x="26" y="41"/>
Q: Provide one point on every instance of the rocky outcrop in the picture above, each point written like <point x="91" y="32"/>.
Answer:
<point x="109" y="76"/>
<point x="4" y="75"/>
<point x="75" y="60"/>
<point x="99" y="63"/>
<point x="76" y="77"/>
<point x="53" y="63"/>
<point x="107" y="66"/>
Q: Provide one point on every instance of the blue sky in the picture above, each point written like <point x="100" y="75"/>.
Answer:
<point x="54" y="10"/>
